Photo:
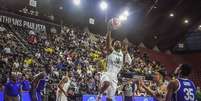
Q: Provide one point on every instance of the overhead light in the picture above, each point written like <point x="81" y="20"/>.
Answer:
<point x="171" y="15"/>
<point x="186" y="21"/>
<point x="199" y="27"/>
<point x="122" y="17"/>
<point x="76" y="2"/>
<point x="126" y="13"/>
<point x="103" y="5"/>
<point x="61" y="8"/>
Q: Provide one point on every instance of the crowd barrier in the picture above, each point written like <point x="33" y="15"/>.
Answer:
<point x="26" y="97"/>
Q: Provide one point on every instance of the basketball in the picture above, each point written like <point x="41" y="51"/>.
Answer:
<point x="115" y="23"/>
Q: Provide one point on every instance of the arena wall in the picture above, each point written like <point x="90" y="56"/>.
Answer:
<point x="171" y="61"/>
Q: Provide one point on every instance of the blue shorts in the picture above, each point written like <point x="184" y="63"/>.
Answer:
<point x="37" y="95"/>
<point x="25" y="96"/>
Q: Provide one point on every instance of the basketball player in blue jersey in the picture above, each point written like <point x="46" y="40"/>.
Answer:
<point x="12" y="89"/>
<point x="181" y="89"/>
<point x="26" y="84"/>
<point x="115" y="61"/>
<point x="38" y="83"/>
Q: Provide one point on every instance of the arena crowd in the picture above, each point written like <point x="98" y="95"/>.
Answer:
<point x="25" y="53"/>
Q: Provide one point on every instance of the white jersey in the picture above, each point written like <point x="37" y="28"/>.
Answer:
<point x="114" y="62"/>
<point x="60" y="94"/>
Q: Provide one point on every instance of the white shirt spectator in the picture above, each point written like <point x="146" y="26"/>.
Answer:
<point x="53" y="30"/>
<point x="67" y="30"/>
<point x="38" y="55"/>
<point x="128" y="59"/>
<point x="16" y="64"/>
<point x="32" y="32"/>
<point x="47" y="43"/>
<point x="2" y="29"/>
<point x="7" y="50"/>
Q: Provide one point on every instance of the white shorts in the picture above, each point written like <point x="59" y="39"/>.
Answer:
<point x="111" y="90"/>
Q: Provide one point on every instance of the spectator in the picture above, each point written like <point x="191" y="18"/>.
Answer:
<point x="198" y="94"/>
<point x="2" y="29"/>
<point x="128" y="91"/>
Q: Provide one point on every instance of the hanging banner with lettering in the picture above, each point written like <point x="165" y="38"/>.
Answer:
<point x="22" y="23"/>
<point x="27" y="22"/>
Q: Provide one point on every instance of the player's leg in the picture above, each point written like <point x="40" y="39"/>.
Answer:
<point x="109" y="99"/>
<point x="104" y="86"/>
<point x="112" y="90"/>
<point x="104" y="83"/>
<point x="8" y="98"/>
<point x="16" y="98"/>
<point x="39" y="97"/>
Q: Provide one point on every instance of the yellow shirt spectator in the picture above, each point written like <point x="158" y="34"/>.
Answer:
<point x="49" y="50"/>
<point x="102" y="64"/>
<point x="95" y="55"/>
<point x="28" y="61"/>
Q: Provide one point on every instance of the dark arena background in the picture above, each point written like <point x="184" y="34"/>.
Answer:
<point x="54" y="48"/>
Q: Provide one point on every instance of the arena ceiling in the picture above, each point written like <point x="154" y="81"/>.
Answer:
<point x="149" y="21"/>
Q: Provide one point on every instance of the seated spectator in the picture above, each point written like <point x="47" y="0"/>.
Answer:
<point x="2" y="29"/>
<point x="32" y="39"/>
<point x="28" y="61"/>
<point x="49" y="50"/>
<point x="198" y="94"/>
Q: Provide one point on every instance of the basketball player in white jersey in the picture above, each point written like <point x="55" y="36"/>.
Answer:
<point x="64" y="84"/>
<point x="115" y="60"/>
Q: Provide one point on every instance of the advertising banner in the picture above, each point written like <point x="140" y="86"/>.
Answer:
<point x="1" y="96"/>
<point x="27" y="22"/>
<point x="21" y="22"/>
<point x="139" y="98"/>
<point x="93" y="98"/>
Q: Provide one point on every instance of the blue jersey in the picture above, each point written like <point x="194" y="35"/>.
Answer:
<point x="26" y="85"/>
<point x="12" y="88"/>
<point x="41" y="85"/>
<point x="186" y="91"/>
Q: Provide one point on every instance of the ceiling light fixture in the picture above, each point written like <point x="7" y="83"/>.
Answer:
<point x="171" y="15"/>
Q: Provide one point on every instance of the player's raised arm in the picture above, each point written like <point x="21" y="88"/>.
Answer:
<point x="108" y="37"/>
<point x="127" y="57"/>
<point x="125" y="47"/>
<point x="171" y="89"/>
